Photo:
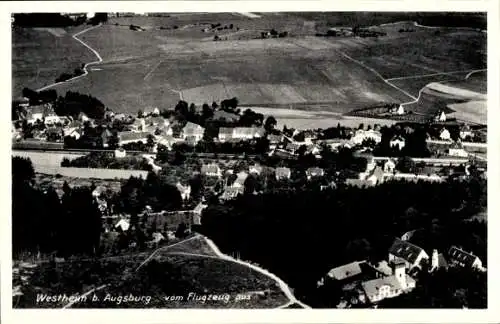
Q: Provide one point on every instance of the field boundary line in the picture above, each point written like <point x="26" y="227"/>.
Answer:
<point x="85" y="71"/>
<point x="284" y="287"/>
<point x="377" y="74"/>
<point x="435" y="74"/>
<point x="152" y="70"/>
<point x="163" y="248"/>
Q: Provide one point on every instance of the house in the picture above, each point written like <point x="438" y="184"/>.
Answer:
<point x="255" y="169"/>
<point x="283" y="173"/>
<point x="211" y="170"/>
<point x="459" y="257"/>
<point x="225" y="134"/>
<point x="167" y="141"/>
<point x="346" y="271"/>
<point x="466" y="131"/>
<point x="411" y="254"/>
<point x="440" y="116"/>
<point x="54" y="134"/>
<point x="83" y="117"/>
<point x="132" y="137"/>
<point x="275" y="139"/>
<point x="240" y="133"/>
<point x="399" y="110"/>
<point x="105" y="136"/>
<point x="197" y="213"/>
<point x="36" y="113"/>
<point x="53" y="119"/>
<point x="457" y="149"/>
<point x="390" y="286"/>
<point x="232" y="192"/>
<point x="120" y="153"/>
<point x="397" y="142"/>
<point x="314" y="172"/>
<point x="437" y="261"/>
<point x="156" y="121"/>
<point x="374" y="177"/>
<point x="184" y="190"/>
<point x="389" y="166"/>
<point x="240" y="179"/>
<point x="139" y="125"/>
<point x="243" y="133"/>
<point x="445" y="135"/>
<point x="123" y="225"/>
<point x="362" y="135"/>
<point x="192" y="130"/>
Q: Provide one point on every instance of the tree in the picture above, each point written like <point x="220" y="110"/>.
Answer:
<point x="140" y="113"/>
<point x="270" y="123"/>
<point x="406" y="165"/>
<point x="113" y="141"/>
<point x="22" y="169"/>
<point x="150" y="141"/>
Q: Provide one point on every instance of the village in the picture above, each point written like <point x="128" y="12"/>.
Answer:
<point x="277" y="160"/>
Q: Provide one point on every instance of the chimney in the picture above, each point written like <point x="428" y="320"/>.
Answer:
<point x="434" y="260"/>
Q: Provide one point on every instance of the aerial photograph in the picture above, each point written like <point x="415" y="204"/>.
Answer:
<point x="249" y="160"/>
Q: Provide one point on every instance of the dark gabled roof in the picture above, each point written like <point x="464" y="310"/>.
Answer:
<point x="405" y="250"/>
<point x="346" y="271"/>
<point x="460" y="256"/>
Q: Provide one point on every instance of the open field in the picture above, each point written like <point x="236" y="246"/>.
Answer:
<point x="300" y="119"/>
<point x="40" y="55"/>
<point x="201" y="276"/>
<point x="166" y="65"/>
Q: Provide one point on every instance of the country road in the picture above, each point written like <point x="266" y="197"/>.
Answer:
<point x="85" y="71"/>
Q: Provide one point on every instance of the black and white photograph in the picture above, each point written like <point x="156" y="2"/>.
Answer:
<point x="249" y="160"/>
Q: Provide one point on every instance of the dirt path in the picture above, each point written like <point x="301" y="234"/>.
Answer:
<point x="284" y="287"/>
<point x="85" y="71"/>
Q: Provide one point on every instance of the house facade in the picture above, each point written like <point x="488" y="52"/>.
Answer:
<point x="193" y="131"/>
<point x="461" y="258"/>
<point x="211" y="170"/>
<point x="411" y="254"/>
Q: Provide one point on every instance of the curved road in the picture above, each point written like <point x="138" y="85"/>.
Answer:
<point x="85" y="71"/>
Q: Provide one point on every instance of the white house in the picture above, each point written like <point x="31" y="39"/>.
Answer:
<point x="362" y="135"/>
<point x="445" y="135"/>
<point x="123" y="224"/>
<point x="314" y="172"/>
<point x="139" y="125"/>
<point x="411" y="254"/>
<point x="397" y="142"/>
<point x="457" y="150"/>
<point x="389" y="166"/>
<point x="282" y="173"/>
<point x="212" y="170"/>
<point x="440" y="116"/>
<point x="466" y="131"/>
<point x="120" y="153"/>
<point x="459" y="257"/>
<point x="391" y="286"/>
<point x="193" y="131"/>
<point x="184" y="190"/>
<point x="255" y="169"/>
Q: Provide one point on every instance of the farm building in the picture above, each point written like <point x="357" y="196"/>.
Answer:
<point x="132" y="137"/>
<point x="192" y="130"/>
<point x="283" y="173"/>
<point x="459" y="257"/>
<point x="411" y="254"/>
<point x="397" y="142"/>
<point x="211" y="170"/>
<point x="457" y="149"/>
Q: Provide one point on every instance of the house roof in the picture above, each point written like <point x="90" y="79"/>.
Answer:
<point x="442" y="263"/>
<point x="281" y="171"/>
<point x="248" y="131"/>
<point x="405" y="250"/>
<point x="131" y="136"/>
<point x="123" y="224"/>
<point x="459" y="255"/>
<point x="227" y="131"/>
<point x="315" y="171"/>
<point x="372" y="287"/>
<point x="155" y="120"/>
<point x="397" y="138"/>
<point x="232" y="191"/>
<point x="210" y="168"/>
<point x="256" y="167"/>
<point x="346" y="271"/>
<point x="192" y="129"/>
